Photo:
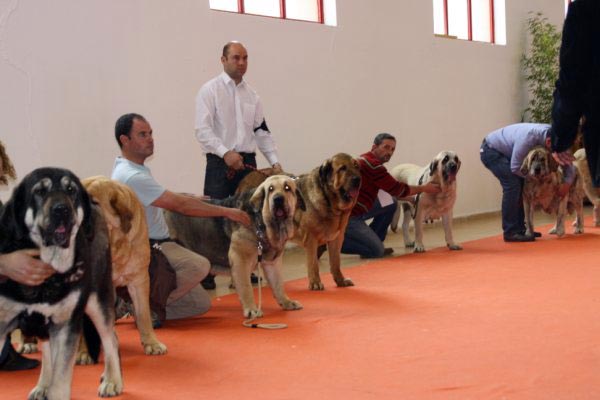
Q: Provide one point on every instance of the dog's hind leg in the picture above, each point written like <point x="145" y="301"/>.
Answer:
<point x="596" y="213"/>
<point x="102" y="313"/>
<point x="395" y="218"/>
<point x="560" y="216"/>
<point x="447" y="222"/>
<point x="334" y="248"/>
<point x="419" y="246"/>
<point x="578" y="218"/>
<point x="528" y="208"/>
<point x="275" y="279"/>
<point x="139" y="291"/>
<point x="407" y="210"/>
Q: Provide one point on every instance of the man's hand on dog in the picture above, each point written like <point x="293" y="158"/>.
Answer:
<point x="563" y="158"/>
<point x="22" y="266"/>
<point x="238" y="215"/>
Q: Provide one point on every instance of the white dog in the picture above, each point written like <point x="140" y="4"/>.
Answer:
<point x="442" y="170"/>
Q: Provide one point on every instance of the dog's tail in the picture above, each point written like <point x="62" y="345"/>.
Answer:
<point x="92" y="338"/>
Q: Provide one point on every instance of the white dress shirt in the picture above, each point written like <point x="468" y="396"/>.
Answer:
<point x="229" y="116"/>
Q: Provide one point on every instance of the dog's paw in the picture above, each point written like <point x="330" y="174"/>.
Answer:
<point x="155" y="349"/>
<point x="252" y="313"/>
<point x="419" y="249"/>
<point x="345" y="282"/>
<point x="28" y="348"/>
<point x="409" y="244"/>
<point x="454" y="247"/>
<point x="109" y="388"/>
<point x="84" y="358"/>
<point x="578" y="230"/>
<point x="552" y="231"/>
<point x="290" y="305"/>
<point x="37" y="393"/>
<point x="316" y="286"/>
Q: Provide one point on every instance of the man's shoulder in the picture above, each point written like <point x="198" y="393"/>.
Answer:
<point x="368" y="161"/>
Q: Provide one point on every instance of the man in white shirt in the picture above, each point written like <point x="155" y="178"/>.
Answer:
<point x="230" y="124"/>
<point x="134" y="136"/>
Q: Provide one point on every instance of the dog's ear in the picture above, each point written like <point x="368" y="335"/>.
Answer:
<point x="258" y="199"/>
<point x="300" y="200"/>
<point x="89" y="220"/>
<point x="325" y="171"/>
<point x="525" y="166"/>
<point x="123" y="212"/>
<point x="458" y="163"/>
<point x="433" y="167"/>
<point x="12" y="216"/>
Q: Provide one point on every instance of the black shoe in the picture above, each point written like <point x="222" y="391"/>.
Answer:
<point x="519" y="237"/>
<point x="208" y="283"/>
<point x="320" y="250"/>
<point x="387" y="251"/>
<point x="13" y="361"/>
<point x="537" y="234"/>
<point x="254" y="278"/>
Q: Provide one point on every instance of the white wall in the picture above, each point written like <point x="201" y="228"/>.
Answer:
<point x="70" y="68"/>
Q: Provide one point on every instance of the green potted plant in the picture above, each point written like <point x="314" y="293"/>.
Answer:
<point x="540" y="65"/>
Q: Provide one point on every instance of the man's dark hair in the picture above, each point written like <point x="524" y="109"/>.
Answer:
<point x="124" y="124"/>
<point x="381" y="137"/>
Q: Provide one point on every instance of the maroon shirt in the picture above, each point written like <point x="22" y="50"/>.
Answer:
<point x="374" y="177"/>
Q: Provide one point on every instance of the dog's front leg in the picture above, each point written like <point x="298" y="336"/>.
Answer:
<point x="447" y="222"/>
<point x="560" y="216"/>
<point x="419" y="247"/>
<point x="407" y="210"/>
<point x="312" y="265"/>
<point x="57" y="370"/>
<point x="40" y="389"/>
<point x="139" y="291"/>
<point x="275" y="279"/>
<point x="528" y="209"/>
<point x="102" y="313"/>
<point x="579" y="217"/>
<point x="334" y="249"/>
<point x="242" y="265"/>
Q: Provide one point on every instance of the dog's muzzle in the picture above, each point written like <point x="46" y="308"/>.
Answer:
<point x="59" y="227"/>
<point x="352" y="192"/>
<point x="280" y="210"/>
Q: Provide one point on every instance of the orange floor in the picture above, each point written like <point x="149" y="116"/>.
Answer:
<point x="494" y="321"/>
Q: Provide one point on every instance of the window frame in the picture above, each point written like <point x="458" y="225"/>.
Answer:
<point x="282" y="12"/>
<point x="470" y="21"/>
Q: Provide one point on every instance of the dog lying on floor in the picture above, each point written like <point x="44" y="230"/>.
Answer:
<point x="442" y="170"/>
<point x="592" y="193"/>
<point x="51" y="210"/>
<point x="130" y="250"/>
<point x="543" y="176"/>
<point x="231" y="247"/>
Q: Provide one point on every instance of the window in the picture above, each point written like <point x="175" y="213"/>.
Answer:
<point x="477" y="20"/>
<point x="320" y="11"/>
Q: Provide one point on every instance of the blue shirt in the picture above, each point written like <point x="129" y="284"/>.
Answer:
<point x="139" y="178"/>
<point x="516" y="140"/>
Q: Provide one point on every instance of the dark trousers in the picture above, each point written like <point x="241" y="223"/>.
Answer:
<point x="367" y="240"/>
<point x="217" y="184"/>
<point x="513" y="216"/>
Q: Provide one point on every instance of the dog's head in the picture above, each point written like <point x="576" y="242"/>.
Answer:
<point x="446" y="165"/>
<point x="538" y="163"/>
<point x="276" y="200"/>
<point x="48" y="208"/>
<point x="341" y="174"/>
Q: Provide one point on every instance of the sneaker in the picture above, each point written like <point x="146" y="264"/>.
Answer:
<point x="387" y="251"/>
<point x="208" y="283"/>
<point x="254" y="278"/>
<point x="519" y="237"/>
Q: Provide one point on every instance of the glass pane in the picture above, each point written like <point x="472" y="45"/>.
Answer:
<point x="457" y="19"/>
<point x="438" y="17"/>
<point x="305" y="10"/>
<point x="329" y="12"/>
<point x="224" y="5"/>
<point x="269" y="8"/>
<point x="500" y="21"/>
<point x="480" y="12"/>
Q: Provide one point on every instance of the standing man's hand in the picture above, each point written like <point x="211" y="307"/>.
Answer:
<point x="234" y="160"/>
<point x="22" y="266"/>
<point x="563" y="157"/>
<point x="277" y="168"/>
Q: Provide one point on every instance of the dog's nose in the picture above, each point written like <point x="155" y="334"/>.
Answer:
<point x="278" y="200"/>
<point x="60" y="211"/>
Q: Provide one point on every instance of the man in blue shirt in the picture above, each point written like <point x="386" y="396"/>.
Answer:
<point x="503" y="152"/>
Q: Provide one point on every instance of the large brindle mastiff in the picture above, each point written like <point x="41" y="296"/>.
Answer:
<point x="442" y="170"/>
<point x="51" y="210"/>
<point x="330" y="192"/>
<point x="235" y="248"/>
<point x="592" y="193"/>
<point x="543" y="176"/>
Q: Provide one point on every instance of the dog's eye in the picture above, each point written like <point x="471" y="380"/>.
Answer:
<point x="71" y="189"/>
<point x="343" y="168"/>
<point x="445" y="159"/>
<point x="40" y="190"/>
<point x="287" y="188"/>
<point x="271" y="188"/>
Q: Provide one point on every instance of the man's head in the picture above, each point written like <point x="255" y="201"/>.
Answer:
<point x="134" y="136"/>
<point x="383" y="147"/>
<point x="235" y="60"/>
<point x="548" y="141"/>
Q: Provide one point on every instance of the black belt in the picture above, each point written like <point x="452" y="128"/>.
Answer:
<point x="211" y="155"/>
